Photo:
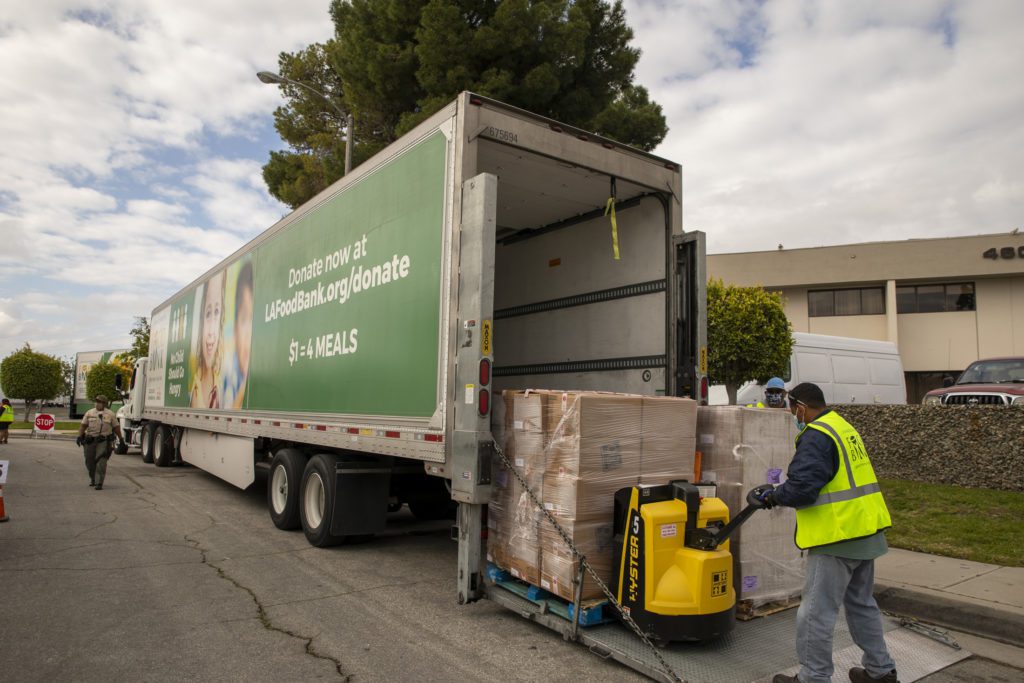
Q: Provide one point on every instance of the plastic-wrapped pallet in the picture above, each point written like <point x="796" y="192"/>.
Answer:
<point x="591" y="444"/>
<point x="742" y="448"/>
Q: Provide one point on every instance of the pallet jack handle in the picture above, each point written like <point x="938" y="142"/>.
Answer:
<point x="711" y="538"/>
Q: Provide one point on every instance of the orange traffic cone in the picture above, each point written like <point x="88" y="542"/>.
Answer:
<point x="3" y="515"/>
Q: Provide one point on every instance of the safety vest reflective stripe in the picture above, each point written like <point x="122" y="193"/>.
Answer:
<point x="848" y="494"/>
<point x="842" y="448"/>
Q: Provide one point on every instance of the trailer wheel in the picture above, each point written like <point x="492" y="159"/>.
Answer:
<point x="319" y="490"/>
<point x="283" y="488"/>
<point x="163" y="446"/>
<point x="146" y="442"/>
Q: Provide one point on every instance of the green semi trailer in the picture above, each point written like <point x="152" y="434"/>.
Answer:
<point x="358" y="348"/>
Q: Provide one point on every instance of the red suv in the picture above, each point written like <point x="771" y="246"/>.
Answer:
<point x="993" y="381"/>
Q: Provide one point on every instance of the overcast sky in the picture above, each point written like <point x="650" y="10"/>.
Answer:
<point x="132" y="133"/>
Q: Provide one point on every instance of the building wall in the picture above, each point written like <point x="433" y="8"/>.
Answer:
<point x="860" y="326"/>
<point x="938" y="341"/>
<point x="931" y="344"/>
<point x="1000" y="316"/>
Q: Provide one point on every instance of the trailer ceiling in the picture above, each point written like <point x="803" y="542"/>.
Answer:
<point x="536" y="191"/>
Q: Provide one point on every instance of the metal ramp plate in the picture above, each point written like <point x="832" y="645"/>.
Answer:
<point x="754" y="652"/>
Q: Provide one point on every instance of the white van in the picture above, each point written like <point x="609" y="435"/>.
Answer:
<point x="848" y="370"/>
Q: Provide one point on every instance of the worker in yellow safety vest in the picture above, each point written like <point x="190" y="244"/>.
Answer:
<point x="841" y="518"/>
<point x="6" y="418"/>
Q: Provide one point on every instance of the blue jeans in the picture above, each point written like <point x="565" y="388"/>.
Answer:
<point x="831" y="582"/>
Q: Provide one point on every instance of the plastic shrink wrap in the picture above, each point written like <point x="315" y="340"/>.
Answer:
<point x="575" y="450"/>
<point x="742" y="448"/>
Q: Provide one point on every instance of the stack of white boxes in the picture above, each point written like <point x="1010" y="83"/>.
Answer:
<point x="742" y="448"/>
<point x="575" y="450"/>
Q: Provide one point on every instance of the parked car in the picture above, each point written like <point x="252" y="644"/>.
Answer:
<point x="992" y="381"/>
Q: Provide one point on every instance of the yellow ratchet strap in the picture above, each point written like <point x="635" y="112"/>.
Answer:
<point x="609" y="208"/>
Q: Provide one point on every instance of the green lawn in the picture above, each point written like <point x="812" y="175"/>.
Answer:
<point x="58" y="425"/>
<point x="984" y="525"/>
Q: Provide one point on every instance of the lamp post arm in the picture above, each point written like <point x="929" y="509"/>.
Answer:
<point x="346" y="116"/>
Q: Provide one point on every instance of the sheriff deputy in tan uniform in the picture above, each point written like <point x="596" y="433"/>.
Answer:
<point x="96" y="433"/>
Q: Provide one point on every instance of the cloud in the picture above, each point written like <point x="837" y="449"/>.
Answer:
<point x="133" y="135"/>
<point x="108" y="105"/>
<point x="820" y="123"/>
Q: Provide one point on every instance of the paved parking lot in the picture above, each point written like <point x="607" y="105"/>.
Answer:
<point x="169" y="574"/>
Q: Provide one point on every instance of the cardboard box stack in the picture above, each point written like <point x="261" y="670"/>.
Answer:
<point x="575" y="450"/>
<point x="742" y="448"/>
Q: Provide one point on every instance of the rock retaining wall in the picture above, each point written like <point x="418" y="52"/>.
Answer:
<point x="979" y="447"/>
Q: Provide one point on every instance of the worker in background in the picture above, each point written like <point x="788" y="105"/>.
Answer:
<point x="774" y="395"/>
<point x="841" y="518"/>
<point x="96" y="435"/>
<point x="6" y="418"/>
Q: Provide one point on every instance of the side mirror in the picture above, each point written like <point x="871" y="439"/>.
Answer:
<point x="947" y="382"/>
<point x="118" y="382"/>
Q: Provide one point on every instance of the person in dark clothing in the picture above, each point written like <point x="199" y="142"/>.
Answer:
<point x="841" y="519"/>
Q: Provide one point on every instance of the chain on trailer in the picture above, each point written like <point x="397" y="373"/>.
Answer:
<point x="936" y="634"/>
<point x="590" y="570"/>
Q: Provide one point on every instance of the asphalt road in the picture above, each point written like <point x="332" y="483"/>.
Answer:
<point x="171" y="574"/>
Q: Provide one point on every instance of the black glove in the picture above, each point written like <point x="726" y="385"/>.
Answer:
<point x="80" y="440"/>
<point x="762" y="496"/>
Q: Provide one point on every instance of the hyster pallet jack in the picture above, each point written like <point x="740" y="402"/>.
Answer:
<point x="672" y="561"/>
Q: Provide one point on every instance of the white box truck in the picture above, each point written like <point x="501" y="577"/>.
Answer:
<point x="84" y="360"/>
<point x="355" y="348"/>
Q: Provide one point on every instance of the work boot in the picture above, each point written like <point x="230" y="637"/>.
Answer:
<point x="99" y="487"/>
<point x="859" y="675"/>
<point x="783" y="678"/>
<point x="92" y="482"/>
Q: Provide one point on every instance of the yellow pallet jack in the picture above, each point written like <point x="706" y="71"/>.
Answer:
<point x="673" y="568"/>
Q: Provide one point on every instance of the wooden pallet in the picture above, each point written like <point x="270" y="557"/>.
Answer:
<point x="592" y="612"/>
<point x="745" y="609"/>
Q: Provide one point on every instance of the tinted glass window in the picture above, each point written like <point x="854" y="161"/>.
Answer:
<point x="847" y="301"/>
<point x="820" y="304"/>
<point x="872" y="302"/>
<point x="960" y="297"/>
<point x="931" y="298"/>
<point x="906" y="300"/>
<point x="955" y="296"/>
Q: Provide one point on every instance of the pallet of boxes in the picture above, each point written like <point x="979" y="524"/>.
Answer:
<point x="575" y="450"/>
<point x="742" y="448"/>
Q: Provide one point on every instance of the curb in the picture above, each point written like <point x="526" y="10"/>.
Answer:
<point x="53" y="437"/>
<point x="943" y="610"/>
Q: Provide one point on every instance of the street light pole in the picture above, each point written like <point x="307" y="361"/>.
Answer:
<point x="277" y="79"/>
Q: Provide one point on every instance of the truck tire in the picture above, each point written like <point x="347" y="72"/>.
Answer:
<point x="319" y="490"/>
<point x="146" y="442"/>
<point x="283" y="486"/>
<point x="163" y="446"/>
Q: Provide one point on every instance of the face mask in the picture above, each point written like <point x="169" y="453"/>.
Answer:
<point x="800" y="425"/>
<point x="773" y="400"/>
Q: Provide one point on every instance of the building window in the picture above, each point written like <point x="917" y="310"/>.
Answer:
<point x="828" y="302"/>
<point x="937" y="298"/>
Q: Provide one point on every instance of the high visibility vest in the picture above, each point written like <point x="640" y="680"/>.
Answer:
<point x="6" y="413"/>
<point x="754" y="405"/>
<point x="851" y="505"/>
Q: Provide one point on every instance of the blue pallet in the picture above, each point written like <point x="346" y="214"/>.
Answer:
<point x="596" y="612"/>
